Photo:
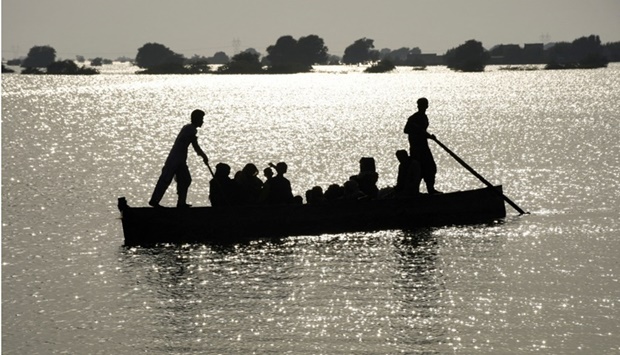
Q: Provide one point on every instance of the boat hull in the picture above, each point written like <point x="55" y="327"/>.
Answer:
<point x="148" y="226"/>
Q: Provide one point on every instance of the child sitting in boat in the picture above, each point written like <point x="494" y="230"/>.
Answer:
<point x="223" y="191"/>
<point x="279" y="187"/>
<point x="250" y="184"/>
<point x="367" y="177"/>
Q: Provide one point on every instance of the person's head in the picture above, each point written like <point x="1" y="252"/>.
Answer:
<point x="351" y="186"/>
<point x="250" y="169"/>
<point x="198" y="117"/>
<point x="402" y="155"/>
<point x="281" y="168"/>
<point x="268" y="173"/>
<point x="422" y="104"/>
<point x="222" y="169"/>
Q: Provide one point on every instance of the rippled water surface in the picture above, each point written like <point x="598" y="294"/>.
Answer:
<point x="547" y="281"/>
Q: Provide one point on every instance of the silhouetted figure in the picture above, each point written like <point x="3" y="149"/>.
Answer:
<point x="266" y="189"/>
<point x="418" y="145"/>
<point x="334" y="192"/>
<point x="249" y="184"/>
<point x="223" y="191"/>
<point x="352" y="191"/>
<point x="409" y="178"/>
<point x="268" y="173"/>
<point x="367" y="177"/>
<point x="315" y="195"/>
<point x="280" y="190"/>
<point x="176" y="163"/>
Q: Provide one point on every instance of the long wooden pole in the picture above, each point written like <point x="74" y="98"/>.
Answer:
<point x="471" y="170"/>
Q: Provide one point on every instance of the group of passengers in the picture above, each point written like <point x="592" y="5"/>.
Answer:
<point x="363" y="186"/>
<point x="247" y="188"/>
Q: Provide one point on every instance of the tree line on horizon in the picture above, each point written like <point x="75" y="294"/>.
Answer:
<point x="289" y="55"/>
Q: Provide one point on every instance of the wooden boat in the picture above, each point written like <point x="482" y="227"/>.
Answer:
<point x="148" y="226"/>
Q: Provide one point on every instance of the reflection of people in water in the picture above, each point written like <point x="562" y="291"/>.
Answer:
<point x="418" y="144"/>
<point x="176" y="163"/>
<point x="408" y="179"/>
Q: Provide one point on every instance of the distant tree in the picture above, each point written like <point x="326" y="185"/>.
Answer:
<point x="196" y="59"/>
<point x="384" y="52"/>
<point x="360" y="52"/>
<point x="383" y="66"/>
<point x="200" y="66"/>
<point x="7" y="70"/>
<point x="153" y="55"/>
<point x="80" y="58"/>
<point x="253" y="51"/>
<point x="402" y="56"/>
<point x="96" y="62"/>
<point x="584" y="52"/>
<point x="68" y="67"/>
<point x="312" y="50"/>
<point x="242" y="63"/>
<point x="284" y="55"/>
<point x="39" y="57"/>
<point x="397" y="56"/>
<point x="612" y="51"/>
<point x="219" y="58"/>
<point x="32" y="70"/>
<point x="559" y="52"/>
<point x="333" y="59"/>
<point x="468" y="57"/>
<point x="589" y="52"/>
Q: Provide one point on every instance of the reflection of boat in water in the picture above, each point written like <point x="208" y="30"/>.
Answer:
<point x="148" y="226"/>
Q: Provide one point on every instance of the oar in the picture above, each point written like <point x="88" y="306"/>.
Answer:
<point x="469" y="168"/>
<point x="211" y="171"/>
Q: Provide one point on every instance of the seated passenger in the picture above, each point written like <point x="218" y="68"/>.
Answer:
<point x="264" y="192"/>
<point x="368" y="177"/>
<point x="279" y="187"/>
<point x="409" y="177"/>
<point x="249" y="183"/>
<point x="352" y="191"/>
<point x="223" y="191"/>
<point x="268" y="173"/>
<point x="334" y="192"/>
<point x="315" y="195"/>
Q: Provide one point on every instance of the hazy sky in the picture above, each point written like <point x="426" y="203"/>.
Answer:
<point x="114" y="28"/>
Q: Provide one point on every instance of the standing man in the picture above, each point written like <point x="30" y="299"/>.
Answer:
<point x="418" y="145"/>
<point x="176" y="163"/>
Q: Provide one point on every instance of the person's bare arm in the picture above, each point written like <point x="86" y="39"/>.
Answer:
<point x="199" y="151"/>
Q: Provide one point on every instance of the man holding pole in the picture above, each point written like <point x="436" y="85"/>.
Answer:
<point x="418" y="145"/>
<point x="176" y="163"/>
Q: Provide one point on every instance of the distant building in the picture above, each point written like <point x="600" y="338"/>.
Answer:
<point x="427" y="59"/>
<point x="531" y="53"/>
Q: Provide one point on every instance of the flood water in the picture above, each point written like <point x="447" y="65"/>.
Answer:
<point x="546" y="282"/>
